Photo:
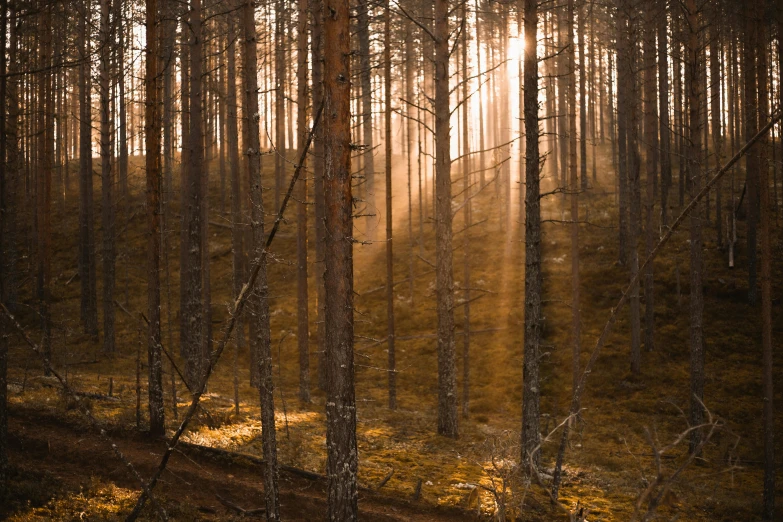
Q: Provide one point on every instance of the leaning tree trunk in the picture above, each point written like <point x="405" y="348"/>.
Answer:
<point x="342" y="459"/>
<point x="261" y="292"/>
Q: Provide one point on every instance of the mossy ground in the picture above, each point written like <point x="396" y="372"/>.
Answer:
<point x="608" y="462"/>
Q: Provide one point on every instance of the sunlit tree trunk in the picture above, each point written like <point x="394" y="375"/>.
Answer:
<point x="261" y="292"/>
<point x="444" y="274"/>
<point x="302" y="314"/>
<point x="342" y="458"/>
<point x="389" y="252"/>
<point x="365" y="76"/>
<point x="466" y="180"/>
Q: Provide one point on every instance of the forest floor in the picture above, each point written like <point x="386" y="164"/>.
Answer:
<point x="64" y="471"/>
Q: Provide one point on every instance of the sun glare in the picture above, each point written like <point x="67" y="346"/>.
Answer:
<point x="516" y="47"/>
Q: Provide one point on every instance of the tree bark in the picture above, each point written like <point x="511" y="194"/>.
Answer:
<point x="531" y="393"/>
<point x="365" y="76"/>
<point x="109" y="250"/>
<point x="87" y="272"/>
<point x="444" y="273"/>
<point x="651" y="161"/>
<point x="152" y="136"/>
<point x="342" y="457"/>
<point x="694" y="135"/>
<point x="260" y="296"/>
<point x="303" y="318"/>
<point x="191" y="308"/>
<point x="389" y="252"/>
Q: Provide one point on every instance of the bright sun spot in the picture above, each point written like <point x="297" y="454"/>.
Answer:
<point x="516" y="47"/>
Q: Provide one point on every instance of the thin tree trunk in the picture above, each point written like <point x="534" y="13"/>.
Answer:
<point x="531" y="394"/>
<point x="365" y="76"/>
<point x="692" y="85"/>
<point x="444" y="274"/>
<point x="107" y="184"/>
<point x="303" y="318"/>
<point x="651" y="161"/>
<point x="389" y="252"/>
<point x="319" y="209"/>
<point x="237" y="225"/>
<point x="466" y="179"/>
<point x="261" y="292"/>
<point x="87" y="272"/>
<point x="663" y="112"/>
<point x="152" y="136"/>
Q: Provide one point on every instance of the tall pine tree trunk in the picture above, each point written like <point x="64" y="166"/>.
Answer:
<point x="444" y="274"/>
<point x="342" y="459"/>
<point x="152" y="136"/>
<point x="260" y="297"/>
<point x="107" y="182"/>
<point x="531" y="393"/>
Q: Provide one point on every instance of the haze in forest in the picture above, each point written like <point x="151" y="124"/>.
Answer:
<point x="390" y="260"/>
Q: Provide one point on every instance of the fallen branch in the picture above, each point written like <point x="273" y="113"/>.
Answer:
<point x="242" y="511"/>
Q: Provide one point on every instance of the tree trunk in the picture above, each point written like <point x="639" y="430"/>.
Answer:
<point x="651" y="161"/>
<point x="573" y="182"/>
<point x="107" y="183"/>
<point x="87" y="272"/>
<point x="764" y="83"/>
<point x="389" y="252"/>
<point x="750" y="106"/>
<point x="466" y="179"/>
<point x="692" y="86"/>
<point x="531" y="393"/>
<point x="152" y="136"/>
<point x="365" y="76"/>
<point x="237" y="226"/>
<point x="191" y="308"/>
<point x="280" y="69"/>
<point x="4" y="266"/>
<point x="342" y="458"/>
<point x="663" y="111"/>
<point x="444" y="275"/>
<point x="319" y="209"/>
<point x="261" y="292"/>
<point x="303" y="318"/>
